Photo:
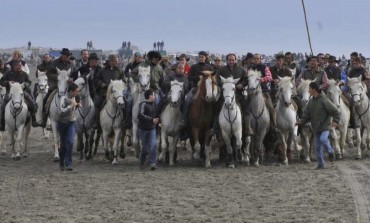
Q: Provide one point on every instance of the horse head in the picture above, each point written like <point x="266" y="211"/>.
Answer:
<point x="212" y="91"/>
<point x="285" y="90"/>
<point x="334" y="92"/>
<point x="144" y="77"/>
<point x="63" y="77"/>
<point x="176" y="92"/>
<point x="42" y="81"/>
<point x="83" y="85"/>
<point x="115" y="92"/>
<point x="303" y="91"/>
<point x="254" y="85"/>
<point x="16" y="95"/>
<point x="228" y="90"/>
<point x="357" y="89"/>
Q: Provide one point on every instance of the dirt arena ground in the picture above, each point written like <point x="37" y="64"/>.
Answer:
<point x="35" y="190"/>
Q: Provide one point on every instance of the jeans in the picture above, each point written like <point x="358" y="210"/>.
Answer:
<point x="321" y="140"/>
<point x="67" y="132"/>
<point x="149" y="146"/>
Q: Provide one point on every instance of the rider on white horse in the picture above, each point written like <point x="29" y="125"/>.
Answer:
<point x="43" y="67"/>
<point x="17" y="75"/>
<point x="110" y="72"/>
<point x="157" y="76"/>
<point x="62" y="63"/>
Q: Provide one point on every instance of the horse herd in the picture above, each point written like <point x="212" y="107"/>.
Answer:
<point x="240" y="148"/>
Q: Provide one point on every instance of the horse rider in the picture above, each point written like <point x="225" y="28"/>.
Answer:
<point x="17" y="55"/>
<point x="248" y="61"/>
<point x="157" y="76"/>
<point x="321" y="61"/>
<point x="136" y="60"/>
<point x="348" y="67"/>
<point x="62" y="63"/>
<point x="314" y="72"/>
<point x="94" y="68"/>
<point x="17" y="75"/>
<point x="178" y="75"/>
<point x="278" y="71"/>
<point x="291" y="65"/>
<point x="193" y="78"/>
<point x="108" y="73"/>
<point x="3" y="68"/>
<point x="84" y="59"/>
<point x="43" y="67"/>
<point x="217" y="64"/>
<point x="357" y="70"/>
<point x="184" y="60"/>
<point x="265" y="81"/>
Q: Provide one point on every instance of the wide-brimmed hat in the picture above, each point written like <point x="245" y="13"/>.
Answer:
<point x="333" y="58"/>
<point x="65" y="51"/>
<point x="93" y="56"/>
<point x="182" y="56"/>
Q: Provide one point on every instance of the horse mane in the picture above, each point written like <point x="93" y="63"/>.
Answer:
<point x="253" y="72"/>
<point x="109" y="90"/>
<point x="304" y="83"/>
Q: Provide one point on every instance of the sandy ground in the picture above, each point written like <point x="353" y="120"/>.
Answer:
<point x="35" y="190"/>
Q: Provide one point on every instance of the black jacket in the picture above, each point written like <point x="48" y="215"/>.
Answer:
<point x="147" y="112"/>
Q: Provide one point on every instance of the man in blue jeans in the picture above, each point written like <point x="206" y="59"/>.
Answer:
<point x="147" y="130"/>
<point x="67" y="126"/>
<point x="323" y="115"/>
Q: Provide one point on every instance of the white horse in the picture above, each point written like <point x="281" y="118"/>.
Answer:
<point x="287" y="116"/>
<point x="171" y="121"/>
<point x="362" y="103"/>
<point x="258" y="115"/>
<point x="230" y="119"/>
<point x="42" y="89"/>
<point x="2" y="135"/>
<point x="306" y="131"/>
<point x="335" y="95"/>
<point x="63" y="76"/>
<point x="84" y="120"/>
<point x="16" y="113"/>
<point x="138" y="94"/>
<point x="111" y="119"/>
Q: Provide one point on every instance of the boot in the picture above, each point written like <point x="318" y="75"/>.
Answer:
<point x="34" y="123"/>
<point x="2" y="123"/>
<point x="127" y="122"/>
<point x="248" y="129"/>
<point x="96" y="123"/>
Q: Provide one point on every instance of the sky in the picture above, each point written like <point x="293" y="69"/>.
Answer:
<point x="217" y="26"/>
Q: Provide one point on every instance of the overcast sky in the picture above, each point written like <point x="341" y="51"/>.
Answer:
<point x="218" y="26"/>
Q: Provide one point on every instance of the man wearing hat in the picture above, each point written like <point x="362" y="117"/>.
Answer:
<point x="314" y="72"/>
<point x="62" y="63"/>
<point x="94" y="69"/>
<point x="137" y="59"/>
<point x="43" y="67"/>
<point x="332" y="70"/>
<point x="248" y="61"/>
<point x="217" y="63"/>
<point x="3" y="68"/>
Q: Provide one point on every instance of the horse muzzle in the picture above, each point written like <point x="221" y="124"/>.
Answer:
<point x="287" y="104"/>
<point x="174" y="104"/>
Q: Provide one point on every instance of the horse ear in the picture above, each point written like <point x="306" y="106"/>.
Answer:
<point x="222" y="80"/>
<point x="69" y="70"/>
<point x="58" y="70"/>
<point x="23" y="86"/>
<point x="279" y="77"/>
<point x="88" y="76"/>
<point x="236" y="80"/>
<point x="78" y="74"/>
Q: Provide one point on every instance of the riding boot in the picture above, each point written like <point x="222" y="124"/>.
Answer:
<point x="271" y="109"/>
<point x="2" y="112"/>
<point x="96" y="119"/>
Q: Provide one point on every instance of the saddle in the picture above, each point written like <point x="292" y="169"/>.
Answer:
<point x="50" y="99"/>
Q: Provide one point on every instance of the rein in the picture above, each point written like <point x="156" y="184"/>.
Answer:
<point x="14" y="112"/>
<point x="231" y="122"/>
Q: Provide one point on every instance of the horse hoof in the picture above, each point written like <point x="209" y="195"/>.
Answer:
<point x="358" y="157"/>
<point x="122" y="155"/>
<point x="3" y="154"/>
<point x="56" y="159"/>
<point x="129" y="144"/>
<point x="231" y="166"/>
<point x="114" y="163"/>
<point x="25" y="156"/>
<point x="285" y="162"/>
<point x="256" y="164"/>
<point x="17" y="158"/>
<point x="339" y="157"/>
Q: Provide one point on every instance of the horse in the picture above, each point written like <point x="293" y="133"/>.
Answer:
<point x="361" y="102"/>
<point x="17" y="121"/>
<point x="201" y="114"/>
<point x="138" y="94"/>
<point x="111" y="117"/>
<point x="287" y="114"/>
<point x="84" y="121"/>
<point x="63" y="77"/>
<point x="306" y="131"/>
<point x="171" y="121"/>
<point x="230" y="119"/>
<point x="2" y="135"/>
<point x="336" y="96"/>
<point x="42" y="89"/>
<point x="258" y="117"/>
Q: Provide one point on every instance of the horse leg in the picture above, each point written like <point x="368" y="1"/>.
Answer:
<point x="122" y="153"/>
<point x="135" y="140"/>
<point x="11" y="137"/>
<point x="117" y="138"/>
<point x="284" y="155"/>
<point x="208" y="149"/>
<point x="343" y="136"/>
<point x="230" y="158"/>
<point x="162" y="156"/>
<point x="2" y="144"/>
<point x="98" y="136"/>
<point x="91" y="144"/>
<point x="196" y="151"/>
<point x="358" y="142"/>
<point x="172" y="149"/>
<point x="80" y="144"/>
<point x="305" y="154"/>
<point x="56" y="140"/>
<point x="26" y="133"/>
<point x="335" y="142"/>
<point x="238" y="144"/>
<point x="105" y="145"/>
<point x="247" y="149"/>
<point x="18" y="142"/>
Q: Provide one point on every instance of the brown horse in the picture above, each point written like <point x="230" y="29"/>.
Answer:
<point x="201" y="114"/>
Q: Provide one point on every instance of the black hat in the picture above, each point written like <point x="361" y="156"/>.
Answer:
<point x="249" y="55"/>
<point x="65" y="51"/>
<point x="93" y="56"/>
<point x="154" y="54"/>
<point x="84" y="70"/>
<point x="314" y="85"/>
<point x="333" y="58"/>
<point x="203" y="53"/>
<point x="182" y="56"/>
